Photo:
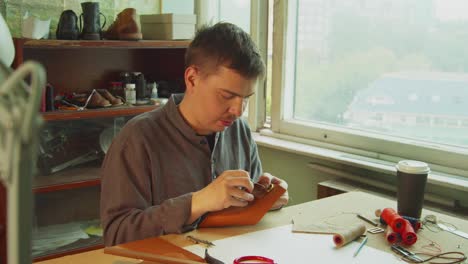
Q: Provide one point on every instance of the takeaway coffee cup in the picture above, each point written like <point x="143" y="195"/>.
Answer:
<point x="411" y="183"/>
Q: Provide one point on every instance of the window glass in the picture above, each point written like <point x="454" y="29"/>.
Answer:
<point x="393" y="67"/>
<point x="236" y="12"/>
<point x="269" y="62"/>
<point x="177" y="6"/>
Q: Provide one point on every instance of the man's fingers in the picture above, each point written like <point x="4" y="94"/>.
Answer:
<point x="238" y="203"/>
<point x="265" y="181"/>
<point x="241" y="194"/>
<point x="242" y="182"/>
<point x="281" y="183"/>
<point x="237" y="178"/>
<point x="282" y="201"/>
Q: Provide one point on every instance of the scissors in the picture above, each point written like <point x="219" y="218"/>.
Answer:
<point x="410" y="257"/>
<point x="253" y="260"/>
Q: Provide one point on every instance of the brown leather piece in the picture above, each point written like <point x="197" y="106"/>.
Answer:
<point x="154" y="249"/>
<point x="248" y="215"/>
<point x="125" y="26"/>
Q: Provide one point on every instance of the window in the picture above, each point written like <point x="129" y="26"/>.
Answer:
<point x="439" y="121"/>
<point x="422" y="120"/>
<point x="412" y="97"/>
<point x="213" y="11"/>
<point x="236" y="12"/>
<point x="339" y="69"/>
<point x="176" y="6"/>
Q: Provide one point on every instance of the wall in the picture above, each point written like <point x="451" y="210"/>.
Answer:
<point x="293" y="168"/>
<point x="303" y="180"/>
<point x="14" y="10"/>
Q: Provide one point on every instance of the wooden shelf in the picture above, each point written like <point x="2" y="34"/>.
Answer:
<point x="79" y="246"/>
<point x="68" y="179"/>
<point x="79" y="67"/>
<point x="106" y="44"/>
<point x="96" y="113"/>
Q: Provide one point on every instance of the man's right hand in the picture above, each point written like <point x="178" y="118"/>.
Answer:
<point x="231" y="188"/>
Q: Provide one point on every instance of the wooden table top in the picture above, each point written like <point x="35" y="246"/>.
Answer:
<point x="345" y="206"/>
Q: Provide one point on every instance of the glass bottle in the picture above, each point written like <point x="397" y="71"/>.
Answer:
<point x="154" y="90"/>
<point x="116" y="89"/>
<point x="130" y="93"/>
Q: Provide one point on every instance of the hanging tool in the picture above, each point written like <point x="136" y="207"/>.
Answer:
<point x="408" y="254"/>
<point x="452" y="230"/>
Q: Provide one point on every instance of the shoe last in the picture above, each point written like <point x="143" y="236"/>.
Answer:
<point x="97" y="100"/>
<point x="108" y="96"/>
<point x="125" y="26"/>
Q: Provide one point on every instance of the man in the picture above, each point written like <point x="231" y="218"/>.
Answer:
<point x="169" y="167"/>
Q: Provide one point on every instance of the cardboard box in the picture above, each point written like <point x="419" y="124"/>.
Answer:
<point x="168" y="26"/>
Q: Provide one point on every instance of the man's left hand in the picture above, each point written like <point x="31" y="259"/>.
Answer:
<point x="266" y="179"/>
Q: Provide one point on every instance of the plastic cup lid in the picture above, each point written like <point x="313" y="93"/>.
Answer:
<point x="413" y="167"/>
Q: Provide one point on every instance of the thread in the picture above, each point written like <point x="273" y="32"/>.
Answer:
<point x="416" y="226"/>
<point x="431" y="247"/>
<point x="393" y="219"/>
<point x="343" y="238"/>
<point x="408" y="236"/>
<point x="391" y="236"/>
<point x="415" y="222"/>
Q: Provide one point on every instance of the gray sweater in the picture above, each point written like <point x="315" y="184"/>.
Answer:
<point x="154" y="165"/>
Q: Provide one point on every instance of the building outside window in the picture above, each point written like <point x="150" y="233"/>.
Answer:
<point x="375" y="69"/>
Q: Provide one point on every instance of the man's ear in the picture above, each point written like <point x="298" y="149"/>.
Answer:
<point x="191" y="76"/>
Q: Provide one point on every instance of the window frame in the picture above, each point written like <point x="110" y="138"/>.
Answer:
<point x="208" y="12"/>
<point x="259" y="33"/>
<point x="377" y="145"/>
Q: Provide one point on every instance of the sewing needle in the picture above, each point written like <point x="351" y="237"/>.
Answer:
<point x="364" y="241"/>
<point x="198" y="240"/>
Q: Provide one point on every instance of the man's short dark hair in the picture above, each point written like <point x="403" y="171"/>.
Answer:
<point x="225" y="44"/>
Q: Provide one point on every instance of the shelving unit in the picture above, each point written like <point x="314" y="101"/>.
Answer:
<point x="80" y="66"/>
<point x="80" y="44"/>
<point x="70" y="179"/>
<point x="3" y="227"/>
<point x="96" y="113"/>
<point x="64" y="193"/>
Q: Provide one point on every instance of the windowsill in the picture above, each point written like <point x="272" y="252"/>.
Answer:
<point x="343" y="185"/>
<point x="267" y="138"/>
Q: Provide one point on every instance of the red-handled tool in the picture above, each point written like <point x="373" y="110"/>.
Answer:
<point x="253" y="259"/>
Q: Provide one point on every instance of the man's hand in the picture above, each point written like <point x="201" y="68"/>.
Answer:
<point x="266" y="179"/>
<point x="231" y="188"/>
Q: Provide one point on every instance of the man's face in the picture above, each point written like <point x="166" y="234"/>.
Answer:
<point x="218" y="98"/>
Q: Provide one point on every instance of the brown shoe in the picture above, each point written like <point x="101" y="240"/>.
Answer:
<point x="125" y="27"/>
<point x="96" y="100"/>
<point x="112" y="99"/>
